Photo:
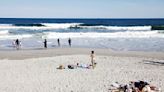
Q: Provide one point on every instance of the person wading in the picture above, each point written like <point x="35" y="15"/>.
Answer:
<point x="45" y="43"/>
<point x="69" y="42"/>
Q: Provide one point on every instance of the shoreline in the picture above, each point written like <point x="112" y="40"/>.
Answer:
<point x="38" y="53"/>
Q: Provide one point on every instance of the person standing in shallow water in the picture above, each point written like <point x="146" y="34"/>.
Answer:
<point x="45" y="43"/>
<point x="69" y="42"/>
<point x="17" y="44"/>
<point x="58" y="40"/>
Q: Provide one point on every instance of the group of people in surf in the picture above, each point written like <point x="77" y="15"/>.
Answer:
<point x="17" y="43"/>
<point x="58" y="41"/>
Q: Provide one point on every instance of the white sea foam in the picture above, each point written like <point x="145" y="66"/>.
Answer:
<point x="54" y="35"/>
<point x="49" y="26"/>
<point x="61" y="25"/>
<point x="45" y="27"/>
<point x="4" y="32"/>
<point x="142" y="28"/>
<point x="15" y="36"/>
<point x="128" y="34"/>
<point x="127" y="28"/>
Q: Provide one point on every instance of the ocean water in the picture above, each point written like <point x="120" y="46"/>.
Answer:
<point x="115" y="34"/>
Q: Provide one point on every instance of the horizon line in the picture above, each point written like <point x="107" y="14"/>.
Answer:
<point x="70" y="18"/>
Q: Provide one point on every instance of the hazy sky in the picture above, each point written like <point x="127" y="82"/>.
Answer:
<point x="82" y="8"/>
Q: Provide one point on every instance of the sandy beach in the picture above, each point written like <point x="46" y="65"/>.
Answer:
<point x="35" y="70"/>
<point x="40" y="52"/>
<point x="81" y="46"/>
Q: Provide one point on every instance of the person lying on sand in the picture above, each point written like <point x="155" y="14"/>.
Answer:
<point x="84" y="66"/>
<point x="142" y="86"/>
<point x="72" y="66"/>
<point x="79" y="66"/>
<point x="134" y="86"/>
<point x="61" y="67"/>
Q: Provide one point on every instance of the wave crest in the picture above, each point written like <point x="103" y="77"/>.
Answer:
<point x="42" y="26"/>
<point x="46" y="26"/>
<point x="127" y="28"/>
<point x="61" y="25"/>
<point x="128" y="34"/>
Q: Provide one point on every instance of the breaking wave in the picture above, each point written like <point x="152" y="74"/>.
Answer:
<point x="49" y="26"/>
<point x="43" y="26"/>
<point x="4" y="32"/>
<point x="15" y="36"/>
<point x="55" y="35"/>
<point x="127" y="28"/>
<point x="128" y="34"/>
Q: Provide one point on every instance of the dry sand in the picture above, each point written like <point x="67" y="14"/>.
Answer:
<point x="35" y="70"/>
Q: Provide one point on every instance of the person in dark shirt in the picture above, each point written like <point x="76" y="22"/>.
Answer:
<point x="58" y="40"/>
<point x="45" y="43"/>
<point x="69" y="42"/>
<point x="17" y="43"/>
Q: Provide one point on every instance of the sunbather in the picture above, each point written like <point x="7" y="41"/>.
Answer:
<point x="84" y="66"/>
<point x="142" y="86"/>
<point x="61" y="67"/>
<point x="137" y="86"/>
<point x="72" y="66"/>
